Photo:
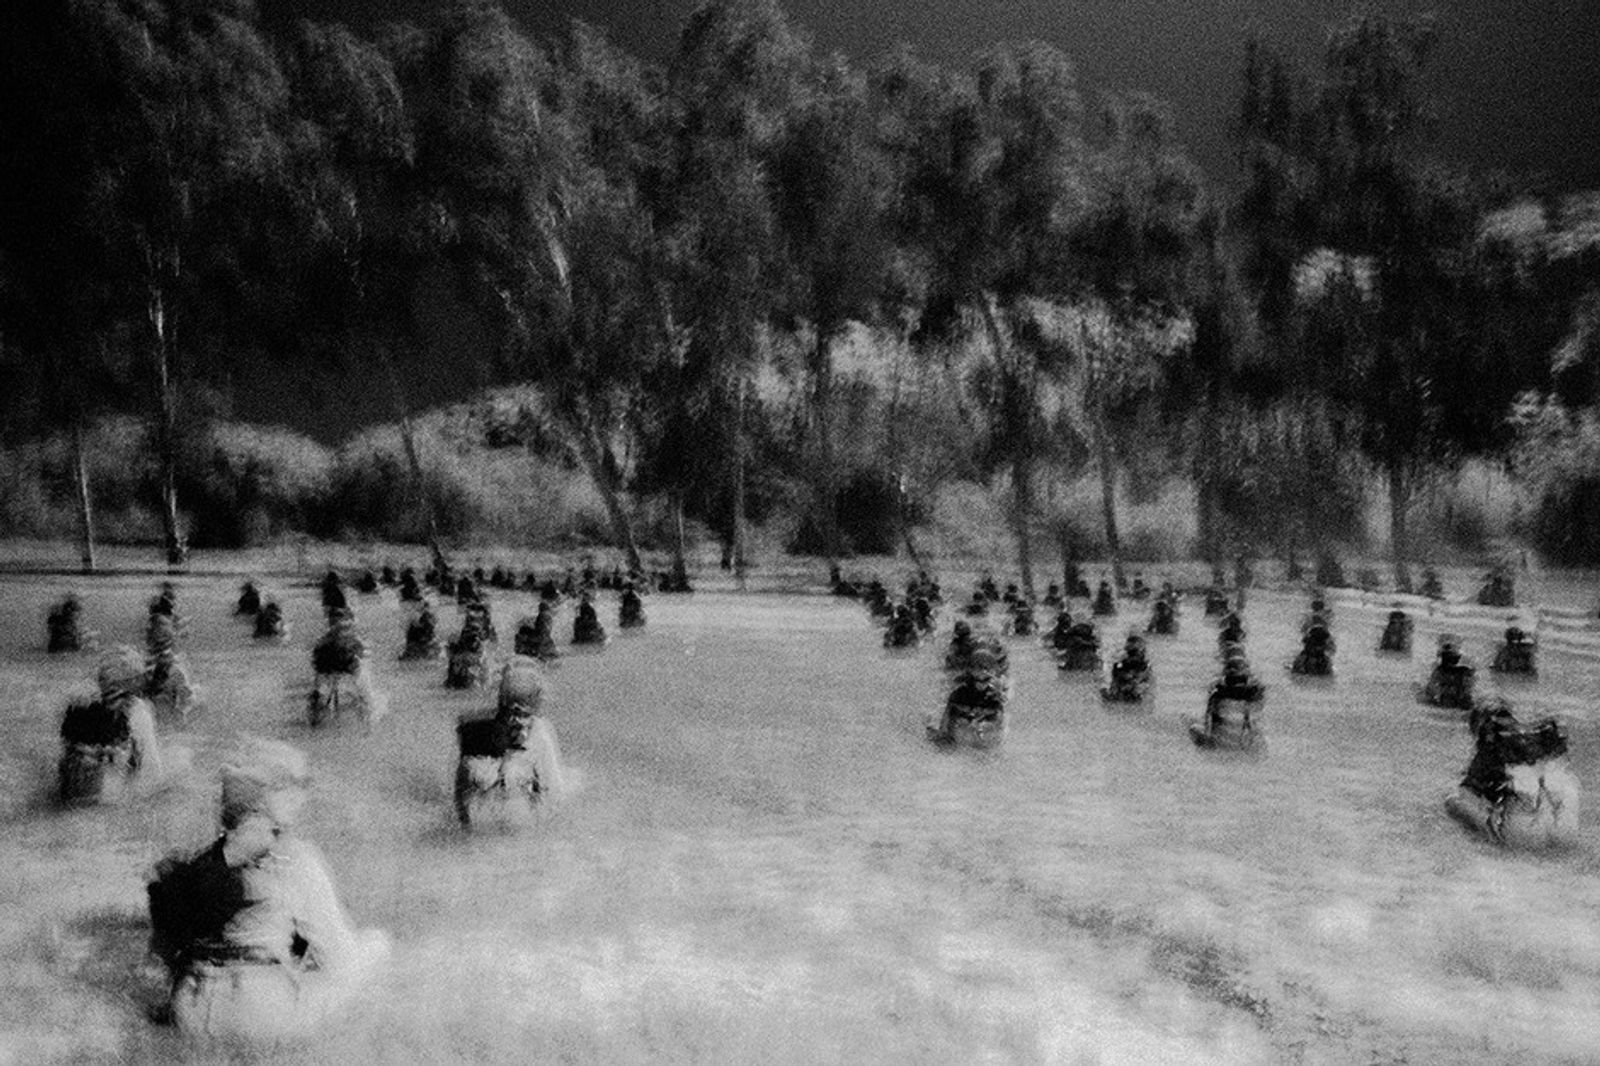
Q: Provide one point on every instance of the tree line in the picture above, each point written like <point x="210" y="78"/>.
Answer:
<point x="186" y="193"/>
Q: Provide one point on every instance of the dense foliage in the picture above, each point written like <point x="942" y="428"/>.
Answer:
<point x="756" y="283"/>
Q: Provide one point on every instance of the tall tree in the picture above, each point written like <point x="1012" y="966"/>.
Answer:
<point x="733" y="82"/>
<point x="1340" y="185"/>
<point x="1138" y="246"/>
<point x="185" y="139"/>
<point x="991" y="166"/>
<point x="831" y="191"/>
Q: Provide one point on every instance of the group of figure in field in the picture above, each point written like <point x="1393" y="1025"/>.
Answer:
<point x="1517" y="789"/>
<point x="249" y="926"/>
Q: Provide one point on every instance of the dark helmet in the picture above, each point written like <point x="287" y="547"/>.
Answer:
<point x="963" y="629"/>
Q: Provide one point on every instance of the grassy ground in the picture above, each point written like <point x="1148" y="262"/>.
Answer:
<point x="767" y="862"/>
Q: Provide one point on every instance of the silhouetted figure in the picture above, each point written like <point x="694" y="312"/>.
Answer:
<point x="1163" y="619"/>
<point x="249" y="599"/>
<point x="902" y="631"/>
<point x="1397" y="633"/>
<point x="270" y="623"/>
<point x="108" y="738"/>
<point x="1232" y="706"/>
<point x="586" y="627"/>
<point x="1316" y="650"/>
<point x="1130" y="674"/>
<point x="1083" y="648"/>
<point x="630" y="609"/>
<point x="1516" y="654"/>
<point x="1450" y="684"/>
<point x="1105" y="602"/>
<point x="64" y="627"/>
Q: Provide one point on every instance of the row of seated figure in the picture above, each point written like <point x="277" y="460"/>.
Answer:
<point x="1233" y="705"/>
<point x="1131" y="675"/>
<point x="974" y="712"/>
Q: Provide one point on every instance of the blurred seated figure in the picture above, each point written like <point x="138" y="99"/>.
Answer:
<point x="922" y="611"/>
<point x="1075" y="585"/>
<point x="1216" y="601"/>
<point x="1053" y="598"/>
<point x="902" y="631"/>
<point x="387" y="576"/>
<point x="1141" y="591"/>
<point x="510" y="758"/>
<point x="586" y="627"/>
<point x="536" y="636"/>
<point x="1105" y="602"/>
<point x="974" y="712"/>
<point x="367" y="583"/>
<point x="270" y="623"/>
<point x="422" y="635"/>
<point x="988" y="588"/>
<point x="965" y="645"/>
<point x="961" y="646"/>
<point x="1397" y="632"/>
<point x="249" y="599"/>
<point x="468" y="591"/>
<point x="1316" y="649"/>
<point x="1515" y="655"/>
<point x="446" y="583"/>
<point x="333" y="595"/>
<point x="1431" y="585"/>
<point x="1083" y="648"/>
<point x="1330" y="572"/>
<point x="1023" y="621"/>
<point x="478" y="613"/>
<point x="1232" y="706"/>
<point x="1232" y="630"/>
<point x="630" y="610"/>
<point x="876" y="597"/>
<point x="64" y="627"/>
<point x="1012" y="596"/>
<point x="166" y="603"/>
<point x="1518" y="789"/>
<point x="410" y="588"/>
<point x="250" y="927"/>
<point x="1131" y="674"/>
<point x="1163" y="619"/>
<point x="167" y="674"/>
<point x="978" y="606"/>
<point x="1320" y="612"/>
<point x="1450" y="684"/>
<point x="468" y="664"/>
<point x="1498" y="590"/>
<point x="108" y="737"/>
<point x="1169" y="594"/>
<point x="342" y="680"/>
<point x="840" y="585"/>
<point x="1060" y="631"/>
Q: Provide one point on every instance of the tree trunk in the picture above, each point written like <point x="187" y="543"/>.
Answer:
<point x="419" y="484"/>
<point x="740" y="561"/>
<point x="824" y="484"/>
<point x="600" y="463"/>
<point x="1108" y="495"/>
<point x="80" y="486"/>
<point x="680" y="542"/>
<point x="1022" y="458"/>
<point x="177" y="551"/>
<point x="1399" y="537"/>
<point x="1022" y="515"/>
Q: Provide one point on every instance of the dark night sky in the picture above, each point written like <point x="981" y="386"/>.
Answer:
<point x="1517" y="82"/>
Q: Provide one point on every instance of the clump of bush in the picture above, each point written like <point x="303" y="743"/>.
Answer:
<point x="1558" y="455"/>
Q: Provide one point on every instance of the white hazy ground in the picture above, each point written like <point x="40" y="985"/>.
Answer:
<point x="769" y="864"/>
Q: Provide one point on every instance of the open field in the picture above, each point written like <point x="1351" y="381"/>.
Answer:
<point x="768" y="863"/>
